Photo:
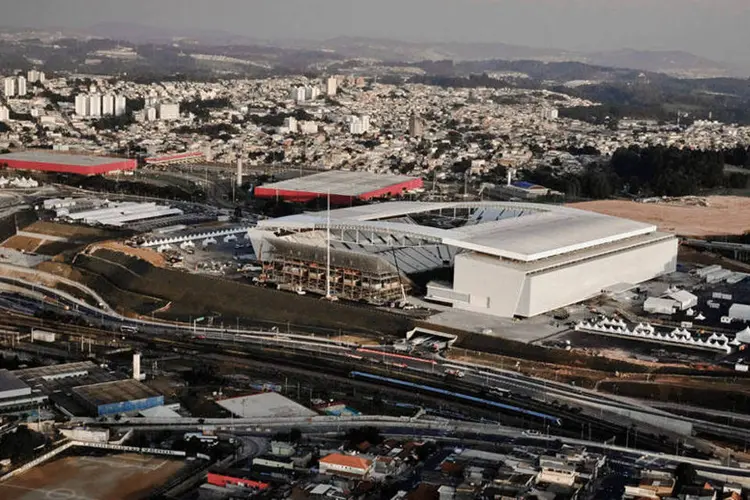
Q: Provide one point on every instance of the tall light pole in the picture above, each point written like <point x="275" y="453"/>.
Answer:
<point x="328" y="246"/>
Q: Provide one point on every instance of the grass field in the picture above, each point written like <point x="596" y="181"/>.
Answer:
<point x="110" y="477"/>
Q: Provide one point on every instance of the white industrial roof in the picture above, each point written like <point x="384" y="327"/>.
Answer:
<point x="266" y="404"/>
<point x="339" y="182"/>
<point x="536" y="232"/>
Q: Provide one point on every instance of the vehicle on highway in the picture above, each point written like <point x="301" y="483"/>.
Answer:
<point x="531" y="433"/>
<point x="453" y="372"/>
<point x="128" y="329"/>
<point x="499" y="391"/>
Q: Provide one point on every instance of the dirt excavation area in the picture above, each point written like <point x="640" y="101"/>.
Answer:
<point x="111" y="477"/>
<point x="149" y="255"/>
<point x="688" y="216"/>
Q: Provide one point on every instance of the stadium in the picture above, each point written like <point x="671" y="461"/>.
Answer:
<point x="507" y="259"/>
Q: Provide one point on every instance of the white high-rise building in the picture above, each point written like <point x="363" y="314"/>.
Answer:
<point x="359" y="125"/>
<point x="290" y="123"/>
<point x="34" y="76"/>
<point x="95" y="105"/>
<point x="4" y="114"/>
<point x="10" y="87"/>
<point x="550" y="114"/>
<point x="121" y="105"/>
<point x="169" y="111"/>
<point x="151" y="114"/>
<point x="21" y="85"/>
<point x="108" y="105"/>
<point x="311" y="93"/>
<point x="298" y="94"/>
<point x="416" y="126"/>
<point x="332" y="86"/>
<point x="82" y="105"/>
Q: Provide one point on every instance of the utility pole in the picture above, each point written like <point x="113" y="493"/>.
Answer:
<point x="328" y="246"/>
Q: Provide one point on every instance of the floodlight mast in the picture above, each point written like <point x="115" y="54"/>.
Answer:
<point x="328" y="246"/>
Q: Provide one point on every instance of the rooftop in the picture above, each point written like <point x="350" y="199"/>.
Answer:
<point x="115" y="392"/>
<point x="54" y="377"/>
<point x="60" y="159"/>
<point x="10" y="382"/>
<point x="340" y="182"/>
<point x="346" y="461"/>
<point x="266" y="404"/>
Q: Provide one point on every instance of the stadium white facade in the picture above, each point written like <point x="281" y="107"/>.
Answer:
<point x="508" y="259"/>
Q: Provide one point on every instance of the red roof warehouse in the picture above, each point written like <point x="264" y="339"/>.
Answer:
<point x="64" y="163"/>
<point x="343" y="186"/>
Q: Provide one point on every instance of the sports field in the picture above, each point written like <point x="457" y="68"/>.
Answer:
<point x="111" y="477"/>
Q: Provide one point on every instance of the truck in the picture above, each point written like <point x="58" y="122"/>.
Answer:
<point x="42" y="335"/>
<point x="453" y="372"/>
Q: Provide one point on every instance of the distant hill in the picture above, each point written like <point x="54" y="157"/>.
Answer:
<point x="674" y="63"/>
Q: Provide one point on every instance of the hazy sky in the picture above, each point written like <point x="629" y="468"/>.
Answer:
<point x="719" y="29"/>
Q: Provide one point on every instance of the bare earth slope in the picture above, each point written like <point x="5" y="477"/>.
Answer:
<point x="722" y="215"/>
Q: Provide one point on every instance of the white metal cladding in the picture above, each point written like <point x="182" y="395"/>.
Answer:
<point x="506" y="289"/>
<point x="538" y="232"/>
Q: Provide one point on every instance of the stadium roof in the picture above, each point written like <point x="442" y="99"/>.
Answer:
<point x="517" y="231"/>
<point x="340" y="182"/>
<point x="60" y="159"/>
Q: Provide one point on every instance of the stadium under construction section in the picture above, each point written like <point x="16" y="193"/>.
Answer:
<point x="508" y="259"/>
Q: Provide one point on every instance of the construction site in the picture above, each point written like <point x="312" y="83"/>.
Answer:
<point x="353" y="276"/>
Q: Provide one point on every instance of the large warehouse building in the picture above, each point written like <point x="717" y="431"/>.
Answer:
<point x="508" y="259"/>
<point x="343" y="187"/>
<point x="118" y="396"/>
<point x="45" y="161"/>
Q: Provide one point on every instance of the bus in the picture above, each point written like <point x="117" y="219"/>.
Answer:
<point x="128" y="329"/>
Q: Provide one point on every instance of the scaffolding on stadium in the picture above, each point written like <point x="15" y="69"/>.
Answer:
<point x="354" y="276"/>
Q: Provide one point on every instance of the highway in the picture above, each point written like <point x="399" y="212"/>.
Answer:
<point x="606" y="413"/>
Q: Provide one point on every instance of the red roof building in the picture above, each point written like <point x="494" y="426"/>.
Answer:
<point x="224" y="481"/>
<point x="188" y="157"/>
<point x="343" y="187"/>
<point x="337" y="463"/>
<point x="46" y="161"/>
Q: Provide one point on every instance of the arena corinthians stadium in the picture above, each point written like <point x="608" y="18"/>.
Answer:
<point x="508" y="259"/>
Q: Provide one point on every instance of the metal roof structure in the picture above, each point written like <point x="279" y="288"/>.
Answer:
<point x="266" y="404"/>
<point x="11" y="385"/>
<point x="117" y="391"/>
<point x="341" y="182"/>
<point x="69" y="163"/>
<point x="341" y="185"/>
<point x="523" y="232"/>
<point x="60" y="159"/>
<point x="120" y="213"/>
